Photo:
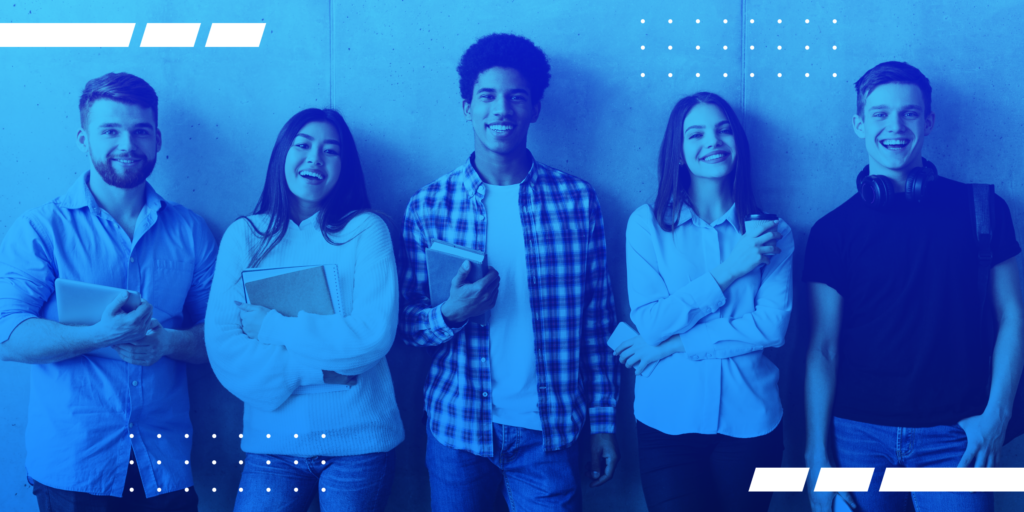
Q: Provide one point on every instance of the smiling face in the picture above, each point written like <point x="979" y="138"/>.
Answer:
<point x="501" y="110"/>
<point x="893" y="127"/>
<point x="313" y="165"/>
<point x="122" y="142"/>
<point x="709" y="148"/>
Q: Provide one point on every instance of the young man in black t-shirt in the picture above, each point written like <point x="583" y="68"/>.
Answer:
<point x="898" y="366"/>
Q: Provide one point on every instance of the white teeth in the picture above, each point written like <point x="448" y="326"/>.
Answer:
<point x="500" y="127"/>
<point x="895" y="143"/>
<point x="714" y="158"/>
<point x="311" y="174"/>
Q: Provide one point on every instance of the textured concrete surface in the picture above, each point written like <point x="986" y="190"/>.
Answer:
<point x="389" y="67"/>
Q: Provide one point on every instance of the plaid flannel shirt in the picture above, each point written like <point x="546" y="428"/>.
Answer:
<point x="570" y="297"/>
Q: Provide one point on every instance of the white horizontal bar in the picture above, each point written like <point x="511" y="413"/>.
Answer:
<point x="778" y="480"/>
<point x="844" y="479"/>
<point x="66" y="35"/>
<point x="953" y="480"/>
<point x="170" y="35"/>
<point x="236" y="35"/>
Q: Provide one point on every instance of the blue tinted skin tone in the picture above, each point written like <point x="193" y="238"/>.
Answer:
<point x="893" y="128"/>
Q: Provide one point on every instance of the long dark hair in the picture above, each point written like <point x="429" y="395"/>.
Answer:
<point x="674" y="176"/>
<point x="347" y="199"/>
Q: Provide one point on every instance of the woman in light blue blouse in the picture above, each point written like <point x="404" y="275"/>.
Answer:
<point x="707" y="296"/>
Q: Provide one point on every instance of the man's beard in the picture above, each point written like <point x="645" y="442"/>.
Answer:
<point x="131" y="178"/>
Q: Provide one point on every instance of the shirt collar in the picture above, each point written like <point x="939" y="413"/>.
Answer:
<point x="473" y="182"/>
<point x="686" y="214"/>
<point x="80" y="196"/>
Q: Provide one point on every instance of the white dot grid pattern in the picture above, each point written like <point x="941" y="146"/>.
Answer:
<point x="131" y="489"/>
<point x="186" y="463"/>
<point x="215" y="436"/>
<point x="643" y="21"/>
<point x="158" y="436"/>
<point x="642" y="47"/>
<point x="159" y="462"/>
<point x="296" y="462"/>
<point x="323" y="436"/>
<point x="296" y="489"/>
<point x="296" y="435"/>
<point x="186" y="489"/>
<point x="241" y="462"/>
<point x="268" y="436"/>
<point x="214" y="489"/>
<point x="186" y="436"/>
<point x="159" y="489"/>
<point x="131" y="436"/>
<point x="322" y="462"/>
<point x="268" y="489"/>
<point x="239" y="436"/>
<point x="642" y="75"/>
<point x="268" y="462"/>
<point x="214" y="463"/>
<point x="323" y="489"/>
<point x="239" y="489"/>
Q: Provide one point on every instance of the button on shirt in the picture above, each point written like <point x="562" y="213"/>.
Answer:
<point x="83" y="410"/>
<point x="570" y="299"/>
<point x="723" y="383"/>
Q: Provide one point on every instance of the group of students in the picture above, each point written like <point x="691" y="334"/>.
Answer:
<point x="898" y="372"/>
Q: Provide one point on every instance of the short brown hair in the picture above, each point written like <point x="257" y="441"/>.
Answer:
<point x="892" y="72"/>
<point x="121" y="87"/>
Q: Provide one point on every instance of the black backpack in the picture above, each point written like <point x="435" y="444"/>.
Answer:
<point x="984" y="198"/>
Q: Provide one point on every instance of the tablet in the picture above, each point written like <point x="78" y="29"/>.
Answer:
<point x="81" y="303"/>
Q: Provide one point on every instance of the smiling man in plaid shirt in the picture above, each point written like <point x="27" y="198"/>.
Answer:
<point x="505" y="402"/>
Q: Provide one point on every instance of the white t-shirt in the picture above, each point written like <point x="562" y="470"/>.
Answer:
<point x="513" y="359"/>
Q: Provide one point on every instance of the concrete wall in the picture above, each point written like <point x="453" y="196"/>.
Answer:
<point x="389" y="67"/>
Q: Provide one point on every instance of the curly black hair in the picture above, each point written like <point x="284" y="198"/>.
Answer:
<point x="507" y="51"/>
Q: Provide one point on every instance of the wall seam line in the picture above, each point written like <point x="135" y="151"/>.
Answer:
<point x="330" y="53"/>
<point x="743" y="59"/>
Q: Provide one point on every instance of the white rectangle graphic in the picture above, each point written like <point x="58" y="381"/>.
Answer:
<point x="953" y="480"/>
<point x="844" y="479"/>
<point x="235" y="35"/>
<point x="66" y="35"/>
<point x="170" y="35"/>
<point x="778" y="480"/>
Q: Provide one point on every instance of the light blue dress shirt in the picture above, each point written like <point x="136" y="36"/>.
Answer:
<point x="723" y="383"/>
<point x="87" y="413"/>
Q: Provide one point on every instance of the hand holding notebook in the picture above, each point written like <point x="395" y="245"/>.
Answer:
<point x="446" y="272"/>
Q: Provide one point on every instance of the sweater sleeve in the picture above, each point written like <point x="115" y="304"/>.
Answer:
<point x="657" y="311"/>
<point x="260" y="374"/>
<point x="355" y="342"/>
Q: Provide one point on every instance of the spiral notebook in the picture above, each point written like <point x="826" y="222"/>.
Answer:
<point x="314" y="289"/>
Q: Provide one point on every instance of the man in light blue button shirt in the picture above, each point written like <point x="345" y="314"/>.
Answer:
<point x="109" y="434"/>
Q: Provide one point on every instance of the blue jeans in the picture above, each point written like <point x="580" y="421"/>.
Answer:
<point x="529" y="477"/>
<point x="866" y="445"/>
<point x="354" y="483"/>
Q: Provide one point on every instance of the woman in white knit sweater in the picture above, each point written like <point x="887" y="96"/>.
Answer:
<point x="320" y="414"/>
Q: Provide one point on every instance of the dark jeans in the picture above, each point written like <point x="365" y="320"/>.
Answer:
<point x="529" y="477"/>
<point x="691" y="472"/>
<point x="56" y="500"/>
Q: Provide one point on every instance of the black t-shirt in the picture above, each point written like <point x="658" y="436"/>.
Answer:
<point x="911" y="352"/>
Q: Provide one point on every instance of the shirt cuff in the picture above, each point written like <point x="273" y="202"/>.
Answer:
<point x="602" y="420"/>
<point x="274" y="329"/>
<point x="440" y="327"/>
<point x="11" y="322"/>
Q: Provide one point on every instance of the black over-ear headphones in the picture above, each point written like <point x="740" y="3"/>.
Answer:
<point x="877" y="190"/>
